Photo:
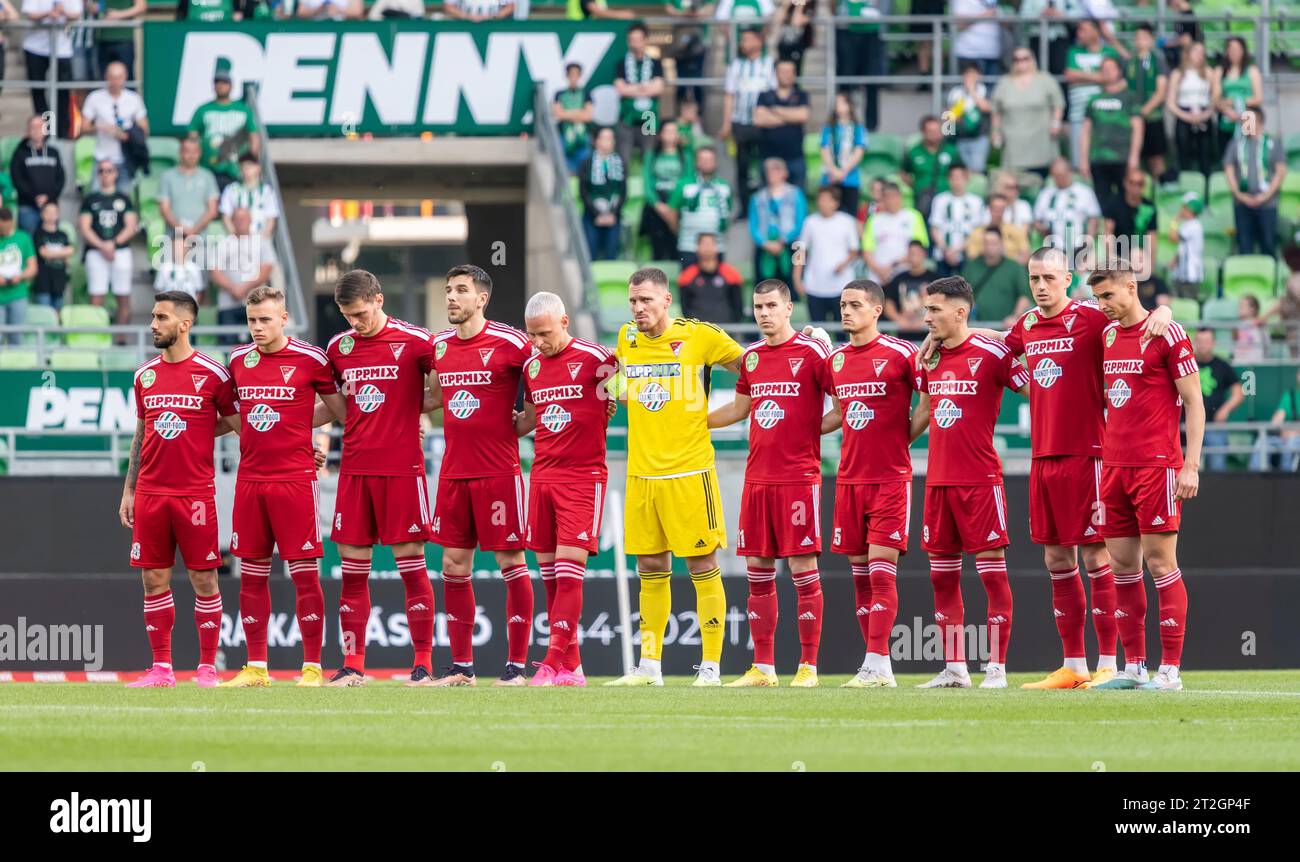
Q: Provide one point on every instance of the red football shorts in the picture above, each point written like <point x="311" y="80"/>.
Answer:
<point x="780" y="520"/>
<point x="486" y="513"/>
<point x="964" y="518"/>
<point x="1065" y="500"/>
<point x="380" y="510"/>
<point x="1138" y="500"/>
<point x="874" y="514"/>
<point x="567" y="513"/>
<point x="163" y="523"/>
<point x="268" y="515"/>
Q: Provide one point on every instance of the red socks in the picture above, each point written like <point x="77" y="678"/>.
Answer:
<point x="354" y="612"/>
<point x="882" y="604"/>
<point x="1069" y="606"/>
<point x="1103" y="609"/>
<point x="458" y="599"/>
<point x="808" y="593"/>
<point x="419" y="607"/>
<point x="564" y="614"/>
<point x="159" y="619"/>
<point x="945" y="577"/>
<point x="207" y="617"/>
<point x="519" y="612"/>
<point x="862" y="599"/>
<point x="309" y="607"/>
<point x="255" y="605"/>
<point x="993" y="572"/>
<point x="763" y="614"/>
<point x="1131" y="615"/>
<point x="1172" y="593"/>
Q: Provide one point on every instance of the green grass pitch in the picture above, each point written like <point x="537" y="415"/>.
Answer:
<point x="1223" y="721"/>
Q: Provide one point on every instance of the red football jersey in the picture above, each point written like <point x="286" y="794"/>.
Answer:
<point x="788" y="385"/>
<point x="480" y="382"/>
<point x="874" y="384"/>
<point x="382" y="377"/>
<point x="965" y="387"/>
<point x="1065" y="392"/>
<point x="277" y="395"/>
<point x="1143" y="407"/>
<point x="568" y="390"/>
<point x="180" y="403"/>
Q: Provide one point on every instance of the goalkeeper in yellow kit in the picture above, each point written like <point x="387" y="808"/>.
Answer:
<point x="673" y="505"/>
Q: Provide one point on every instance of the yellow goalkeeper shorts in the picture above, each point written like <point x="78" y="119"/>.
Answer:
<point x="682" y="514"/>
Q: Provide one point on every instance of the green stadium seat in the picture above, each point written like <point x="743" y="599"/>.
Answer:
<point x="1249" y="273"/>
<point x="883" y="157"/>
<point x="812" y="145"/>
<point x="1221" y="308"/>
<point x="207" y="317"/>
<point x="1220" y="196"/>
<point x="1191" y="181"/>
<point x="119" y="360"/>
<point x="163" y="153"/>
<point x="636" y="188"/>
<point x="41" y="315"/>
<point x="8" y="144"/>
<point x="671" y="268"/>
<point x="1291" y="144"/>
<point x="16" y="359"/>
<point x="979" y="185"/>
<point x="83" y="159"/>
<point x="86" y="315"/>
<point x="74" y="360"/>
<point x="1185" y="311"/>
<point x="613" y="272"/>
<point x="613" y="306"/>
<point x="1210" y="283"/>
<point x="1289" y="197"/>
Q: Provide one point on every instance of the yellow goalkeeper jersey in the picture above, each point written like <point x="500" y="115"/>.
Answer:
<point x="667" y="397"/>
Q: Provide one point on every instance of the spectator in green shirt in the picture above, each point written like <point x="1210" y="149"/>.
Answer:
<point x="664" y="168"/>
<point x="17" y="269"/>
<point x="701" y="203"/>
<point x="225" y="128"/>
<point x="1111" y="142"/>
<point x="117" y="44"/>
<point x="925" y="167"/>
<point x="639" y="82"/>
<point x="1000" y="284"/>
<point x="602" y="180"/>
<point x="1083" y="74"/>
<point x="1287" y="443"/>
<point x="1148" y="79"/>
<point x="573" y="111"/>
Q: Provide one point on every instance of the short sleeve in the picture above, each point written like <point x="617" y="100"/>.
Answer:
<point x="1180" y="358"/>
<point x="919" y="376"/>
<point x="1017" y="376"/>
<point x="226" y="401"/>
<point x="139" y="400"/>
<point x="227" y="204"/>
<point x="742" y="381"/>
<point x="909" y="370"/>
<point x="824" y="377"/>
<point x="85" y="205"/>
<point x="1015" y="338"/>
<point x="323" y="381"/>
<point x="721" y="348"/>
<point x="249" y="119"/>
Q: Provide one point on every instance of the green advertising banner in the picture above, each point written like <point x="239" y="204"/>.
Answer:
<point x="331" y="79"/>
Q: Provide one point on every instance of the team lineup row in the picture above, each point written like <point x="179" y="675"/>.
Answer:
<point x="1120" y="479"/>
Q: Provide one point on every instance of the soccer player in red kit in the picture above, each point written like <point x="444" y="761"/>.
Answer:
<point x="183" y="401"/>
<point x="1150" y="384"/>
<point x="565" y="400"/>
<point x="965" y="504"/>
<point x="782" y="389"/>
<point x="480" y="487"/>
<point x="873" y="378"/>
<point x="381" y="364"/>
<point x="277" y="379"/>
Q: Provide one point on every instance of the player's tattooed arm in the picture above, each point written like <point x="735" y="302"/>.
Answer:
<point x="1158" y="322"/>
<point x="920" y="417"/>
<point x="329" y="408"/>
<point x="1189" y="477"/>
<point x="729" y="414"/>
<point x="526" y="419"/>
<point x="127" y="510"/>
<point x="833" y="417"/>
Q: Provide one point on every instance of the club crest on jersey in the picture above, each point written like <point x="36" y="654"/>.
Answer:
<point x="440" y="350"/>
<point x="1110" y="337"/>
<point x="286" y="371"/>
<point x="147" y="379"/>
<point x="838" y="362"/>
<point x="653" y="397"/>
<point x="1030" y="319"/>
<point x="768" y="413"/>
<point x="933" y="362"/>
<point x="1068" y="320"/>
<point x="534" y="367"/>
<point x="397" y="350"/>
<point x="751" y="362"/>
<point x="946" y="413"/>
<point x="485" y="353"/>
<point x="675" y="347"/>
<point x="262" y="417"/>
<point x="858" y="415"/>
<point x="346" y="345"/>
<point x="1119" y="393"/>
<point x="974" y="365"/>
<point x="252" y="357"/>
<point x="368" y="398"/>
<point x="1047" y="372"/>
<point x="462" y="404"/>
<point x="879" y="365"/>
<point x="795" y="365"/>
<point x="555" y="418"/>
<point x="198" y="380"/>
<point x="574" y="368"/>
<point x="169" y="426"/>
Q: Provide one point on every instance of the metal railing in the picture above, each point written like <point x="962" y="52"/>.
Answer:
<point x="136" y="340"/>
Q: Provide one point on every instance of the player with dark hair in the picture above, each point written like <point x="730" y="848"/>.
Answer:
<point x="480" y="498"/>
<point x="783" y="383"/>
<point x="184" y="400"/>
<point x="381" y="364"/>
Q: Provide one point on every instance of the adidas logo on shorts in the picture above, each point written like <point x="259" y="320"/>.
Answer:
<point x="1097" y="612"/>
<point x="809" y="615"/>
<point x="583" y="536"/>
<point x="806" y="542"/>
<point x="212" y="555"/>
<point x="1157" y="521"/>
<point x="151" y="628"/>
<point x="894" y="535"/>
<point x="993" y="536"/>
<point x="1090" y="532"/>
<point x="451" y="618"/>
<point x="307" y="546"/>
<point x="516" y="619"/>
<point x="939" y="616"/>
<point x="512" y="538"/>
<point x="700" y="544"/>
<point x="1171" y="622"/>
<point x="413" y="529"/>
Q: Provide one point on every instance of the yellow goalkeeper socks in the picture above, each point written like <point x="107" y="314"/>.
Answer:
<point x="711" y="604"/>
<point x="656" y="604"/>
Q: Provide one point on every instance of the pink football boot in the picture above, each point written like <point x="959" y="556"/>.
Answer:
<point x="545" y="675"/>
<point x="158" y="676"/>
<point x="206" y="676"/>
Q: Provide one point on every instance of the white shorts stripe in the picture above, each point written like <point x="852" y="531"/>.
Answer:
<point x="907" y="518"/>
<point x="1000" y="504"/>
<point x="1096" y="470"/>
<point x="315" y="509"/>
<point x="422" y="492"/>
<point x="817" y="510"/>
<point x="595" y="512"/>
<point x="519" y="501"/>
<point x="1169" y="488"/>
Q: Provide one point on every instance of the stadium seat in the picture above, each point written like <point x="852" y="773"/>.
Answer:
<point x="979" y="185"/>
<point x="41" y="315"/>
<point x="671" y="268"/>
<point x="613" y="272"/>
<point x="1220" y="196"/>
<point x="1289" y="198"/>
<point x="86" y="315"/>
<point x="83" y="159"/>
<point x="15" y="359"/>
<point x="164" y="153"/>
<point x="74" y="360"/>
<point x="1191" y="181"/>
<point x="207" y="317"/>
<point x="1292" y="145"/>
<point x="119" y="360"/>
<point x="8" y="144"/>
<point x="1249" y="273"/>
<point x="1221" y="308"/>
<point x="636" y="188"/>
<point x="613" y="306"/>
<point x="1210" y="283"/>
<point x="883" y="157"/>
<point x="1185" y="311"/>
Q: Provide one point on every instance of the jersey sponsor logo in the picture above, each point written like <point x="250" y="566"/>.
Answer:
<point x="974" y="365"/>
<point x="655" y="369"/>
<point x="946" y="413"/>
<point x="795" y="365"/>
<point x="858" y="415"/>
<point x="837" y="362"/>
<point x="262" y="417"/>
<point x="1119" y="393"/>
<point x="533" y="368"/>
<point x="176" y="402"/>
<point x="369" y="398"/>
<point x="574" y="368"/>
<point x="370" y="372"/>
<point x="1030" y="319"/>
<point x="1049" y="345"/>
<point x="346" y="344"/>
<point x="873" y="389"/>
<point x="252" y="357"/>
<point x="557" y="393"/>
<point x="1122" y="366"/>
<point x="463" y="404"/>
<point x="768" y="413"/>
<point x="169" y="426"/>
<point x="440" y="350"/>
<point x="751" y="362"/>
<point x="397" y="350"/>
<point x="1068" y="320"/>
<point x="953" y="387"/>
<point x="286" y="371"/>
<point x="198" y="380"/>
<point x="676" y="348"/>
<point x="465" y="378"/>
<point x="653" y="397"/>
<point x="1046" y="373"/>
<point x="485" y="353"/>
<point x="879" y="365"/>
<point x="266" y="393"/>
<point x="769" y="390"/>
<point x="147" y="379"/>
<point x="555" y="418"/>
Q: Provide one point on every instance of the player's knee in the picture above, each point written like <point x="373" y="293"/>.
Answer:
<point x="700" y="565"/>
<point x="155" y="579"/>
<point x="653" y="563"/>
<point x="204" y="582"/>
<point x="1058" y="558"/>
<point x="1161" y="565"/>
<point x="1095" y="556"/>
